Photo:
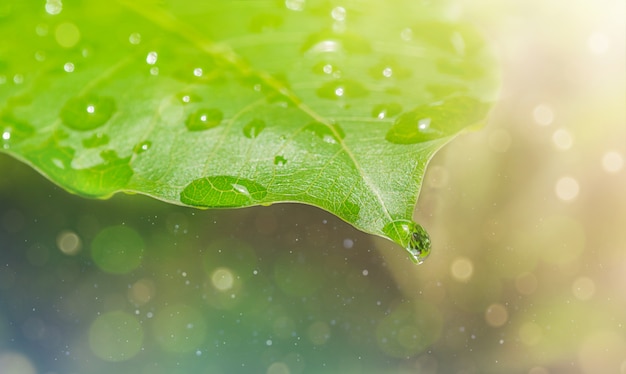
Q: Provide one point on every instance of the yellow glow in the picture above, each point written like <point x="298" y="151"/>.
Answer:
<point x="496" y="315"/>
<point x="278" y="368"/>
<point x="567" y="188"/>
<point x="222" y="279"/>
<point x="141" y="292"/>
<point x="612" y="162"/>
<point x="69" y="243"/>
<point x="462" y="269"/>
<point x="583" y="288"/>
<point x="530" y="333"/>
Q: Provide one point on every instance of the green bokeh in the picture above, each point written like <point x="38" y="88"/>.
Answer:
<point x="117" y="249"/>
<point x="116" y="336"/>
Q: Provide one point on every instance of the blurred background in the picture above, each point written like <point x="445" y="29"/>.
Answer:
<point x="527" y="273"/>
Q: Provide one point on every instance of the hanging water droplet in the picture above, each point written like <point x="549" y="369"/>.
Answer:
<point x="142" y="147"/>
<point x="280" y="160"/>
<point x="253" y="128"/>
<point x="222" y="191"/>
<point x="342" y="88"/>
<point x="87" y="112"/>
<point x="151" y="58"/>
<point x="411" y="236"/>
<point x="383" y="111"/>
<point x="204" y="119"/>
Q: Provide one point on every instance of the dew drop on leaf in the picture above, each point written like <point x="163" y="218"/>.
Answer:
<point x="204" y="119"/>
<point x="383" y="111"/>
<point x="280" y="160"/>
<point x="142" y="147"/>
<point x="436" y="120"/>
<point x="222" y="191"/>
<point x="253" y="128"/>
<point x="87" y="112"/>
<point x="411" y="236"/>
<point x="342" y="88"/>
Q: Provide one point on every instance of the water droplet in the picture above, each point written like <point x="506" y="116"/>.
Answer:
<point x="142" y="147"/>
<point x="389" y="68"/>
<point x="54" y="7"/>
<point x="383" y="111"/>
<point x="87" y="112"/>
<point x="204" y="119"/>
<point x="331" y="134"/>
<point x="13" y="130"/>
<point x="96" y="140"/>
<point x="152" y="57"/>
<point x="342" y="88"/>
<point x="280" y="160"/>
<point x="197" y="72"/>
<point x="411" y="236"/>
<point x="68" y="67"/>
<point x="338" y="13"/>
<point x="40" y="56"/>
<point x="187" y="98"/>
<point x="326" y="68"/>
<point x="436" y="120"/>
<point x="295" y="5"/>
<point x="154" y="70"/>
<point x="134" y="38"/>
<point x="18" y="79"/>
<point x="331" y="41"/>
<point x="253" y="128"/>
<point x="222" y="191"/>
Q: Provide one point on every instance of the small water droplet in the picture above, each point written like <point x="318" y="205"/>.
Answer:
<point x="68" y="67"/>
<point x="253" y="128"/>
<point x="204" y="119"/>
<point x="389" y="68"/>
<point x="40" y="56"/>
<point x="188" y="98"/>
<point x="18" y="79"/>
<point x="154" y="70"/>
<point x="280" y="160"/>
<point x="338" y="13"/>
<point x="13" y="130"/>
<point x="222" y="191"/>
<point x="54" y="7"/>
<point x="152" y="58"/>
<point x="326" y="68"/>
<point x="197" y="72"/>
<point x="96" y="140"/>
<point x="142" y="147"/>
<point x="342" y="88"/>
<point x="411" y="236"/>
<point x="295" y="5"/>
<point x="330" y="41"/>
<point x="383" y="111"/>
<point x="406" y="34"/>
<point x="134" y="38"/>
<point x="87" y="112"/>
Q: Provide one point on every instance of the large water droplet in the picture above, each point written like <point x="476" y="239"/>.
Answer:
<point x="204" y="119"/>
<point x="342" y="88"/>
<point x="383" y="111"/>
<point x="222" y="191"/>
<point x="87" y="112"/>
<point x="331" y="134"/>
<point x="253" y="128"/>
<point x="330" y="41"/>
<point x="411" y="236"/>
<point x="436" y="120"/>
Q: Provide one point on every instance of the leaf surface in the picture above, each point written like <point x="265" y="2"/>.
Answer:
<point x="336" y="104"/>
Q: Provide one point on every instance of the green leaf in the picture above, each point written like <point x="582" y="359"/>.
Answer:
<point x="336" y="104"/>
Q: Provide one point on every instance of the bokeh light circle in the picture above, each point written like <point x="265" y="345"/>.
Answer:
<point x="115" y="336"/>
<point x="117" y="249"/>
<point x="179" y="328"/>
